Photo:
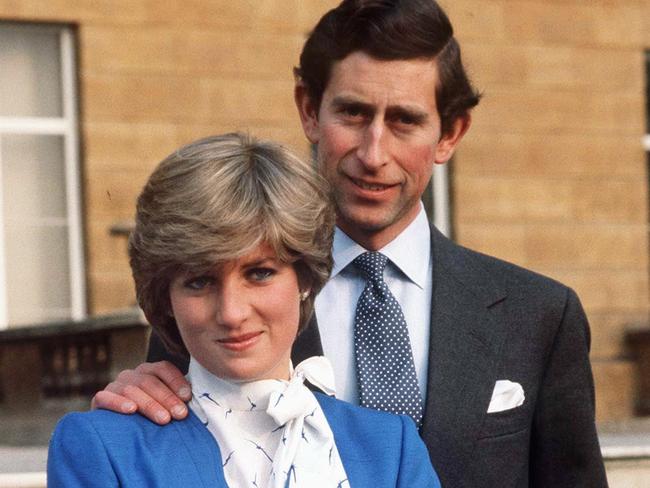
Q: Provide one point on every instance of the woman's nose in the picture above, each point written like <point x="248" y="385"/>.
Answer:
<point x="232" y="306"/>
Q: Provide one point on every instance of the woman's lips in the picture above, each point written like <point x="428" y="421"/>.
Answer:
<point x="241" y="342"/>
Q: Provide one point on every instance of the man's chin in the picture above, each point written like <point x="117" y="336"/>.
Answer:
<point x="372" y="227"/>
<point x="365" y="222"/>
<point x="364" y="227"/>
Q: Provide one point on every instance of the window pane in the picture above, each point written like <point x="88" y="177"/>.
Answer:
<point x="38" y="288"/>
<point x="33" y="177"/>
<point x="30" y="84"/>
<point x="647" y="90"/>
<point x="35" y="228"/>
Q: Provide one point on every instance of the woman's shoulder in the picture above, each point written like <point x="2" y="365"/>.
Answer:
<point x="129" y="450"/>
<point x="118" y="429"/>
<point x="104" y="421"/>
<point x="333" y="404"/>
<point x="359" y="419"/>
<point x="378" y="449"/>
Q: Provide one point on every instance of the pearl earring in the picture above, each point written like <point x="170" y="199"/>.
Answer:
<point x="304" y="295"/>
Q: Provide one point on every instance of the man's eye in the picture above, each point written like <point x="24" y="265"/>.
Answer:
<point x="260" y="274"/>
<point x="405" y="120"/>
<point x="352" y="112"/>
<point x="199" y="283"/>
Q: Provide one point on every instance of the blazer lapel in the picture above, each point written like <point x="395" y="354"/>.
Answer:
<point x="202" y="450"/>
<point x="466" y="336"/>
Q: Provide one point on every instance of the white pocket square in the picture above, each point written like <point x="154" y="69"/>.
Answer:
<point x="506" y="395"/>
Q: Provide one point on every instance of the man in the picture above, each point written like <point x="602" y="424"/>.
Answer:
<point x="500" y="354"/>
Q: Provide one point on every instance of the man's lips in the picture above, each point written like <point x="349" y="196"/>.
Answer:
<point x="240" y="342"/>
<point x="371" y="186"/>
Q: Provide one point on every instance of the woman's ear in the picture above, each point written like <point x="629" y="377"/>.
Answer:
<point x="308" y="113"/>
<point x="450" y="140"/>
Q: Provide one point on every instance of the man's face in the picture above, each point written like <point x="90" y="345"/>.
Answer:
<point x="378" y="136"/>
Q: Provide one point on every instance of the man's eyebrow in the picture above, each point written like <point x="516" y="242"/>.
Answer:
<point x="415" y="115"/>
<point x="346" y="101"/>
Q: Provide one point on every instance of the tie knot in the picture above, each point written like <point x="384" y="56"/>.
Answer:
<point x="372" y="265"/>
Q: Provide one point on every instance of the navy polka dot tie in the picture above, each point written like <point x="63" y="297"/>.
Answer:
<point x="385" y="367"/>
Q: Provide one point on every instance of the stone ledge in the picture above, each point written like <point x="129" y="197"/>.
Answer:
<point x="625" y="440"/>
<point x="108" y="322"/>
<point x="23" y="480"/>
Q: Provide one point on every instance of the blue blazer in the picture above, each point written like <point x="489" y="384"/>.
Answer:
<point x="103" y="448"/>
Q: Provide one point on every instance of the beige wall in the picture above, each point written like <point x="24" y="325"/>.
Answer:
<point x="551" y="176"/>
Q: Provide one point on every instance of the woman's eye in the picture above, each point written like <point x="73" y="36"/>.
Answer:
<point x="260" y="274"/>
<point x="199" y="283"/>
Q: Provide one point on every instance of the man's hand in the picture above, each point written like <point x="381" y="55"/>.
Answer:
<point x="156" y="390"/>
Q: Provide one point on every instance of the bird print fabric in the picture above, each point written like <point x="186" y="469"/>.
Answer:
<point x="271" y="433"/>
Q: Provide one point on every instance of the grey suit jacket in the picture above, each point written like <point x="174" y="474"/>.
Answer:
<point x="491" y="320"/>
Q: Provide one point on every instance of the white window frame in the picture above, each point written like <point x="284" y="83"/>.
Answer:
<point x="67" y="127"/>
<point x="440" y="197"/>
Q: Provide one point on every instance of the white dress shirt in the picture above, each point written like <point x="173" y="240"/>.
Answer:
<point x="408" y="274"/>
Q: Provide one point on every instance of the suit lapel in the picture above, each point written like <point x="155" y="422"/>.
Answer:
<point x="466" y="336"/>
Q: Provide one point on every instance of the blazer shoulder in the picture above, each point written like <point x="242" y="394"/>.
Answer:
<point x="105" y="422"/>
<point x="123" y="435"/>
<point x="98" y="423"/>
<point x="129" y="450"/>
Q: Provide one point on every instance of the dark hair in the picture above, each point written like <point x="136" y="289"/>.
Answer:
<point x="389" y="30"/>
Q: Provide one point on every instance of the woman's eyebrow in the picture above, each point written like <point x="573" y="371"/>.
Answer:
<point x="259" y="261"/>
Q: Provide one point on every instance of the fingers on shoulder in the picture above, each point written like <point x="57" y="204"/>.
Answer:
<point x="108" y="400"/>
<point x="168" y="374"/>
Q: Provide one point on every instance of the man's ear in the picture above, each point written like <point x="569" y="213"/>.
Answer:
<point x="308" y="113"/>
<point x="448" y="142"/>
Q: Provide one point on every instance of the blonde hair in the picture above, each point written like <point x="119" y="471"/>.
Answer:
<point x="217" y="199"/>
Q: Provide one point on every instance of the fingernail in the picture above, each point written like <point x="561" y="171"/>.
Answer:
<point x="128" y="407"/>
<point x="184" y="392"/>
<point x="162" y="417"/>
<point x="178" y="410"/>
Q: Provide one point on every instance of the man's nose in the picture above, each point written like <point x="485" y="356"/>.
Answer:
<point x="232" y="306"/>
<point x="372" y="151"/>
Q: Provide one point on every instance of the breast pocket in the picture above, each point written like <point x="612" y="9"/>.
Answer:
<point x="507" y="422"/>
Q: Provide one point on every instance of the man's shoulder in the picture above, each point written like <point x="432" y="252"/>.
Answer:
<point x="486" y="270"/>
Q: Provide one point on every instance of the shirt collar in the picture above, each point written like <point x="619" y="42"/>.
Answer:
<point x="415" y="240"/>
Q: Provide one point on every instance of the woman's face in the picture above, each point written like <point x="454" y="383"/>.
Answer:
<point x="240" y="319"/>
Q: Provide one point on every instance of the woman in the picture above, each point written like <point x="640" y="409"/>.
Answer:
<point x="231" y="244"/>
